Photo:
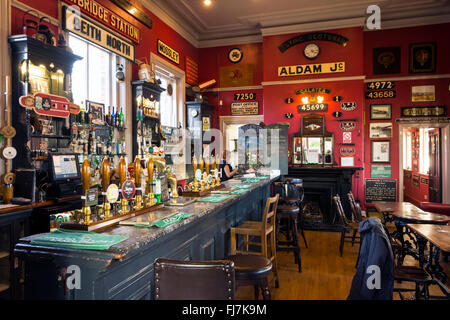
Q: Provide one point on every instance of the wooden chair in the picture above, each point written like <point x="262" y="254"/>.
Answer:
<point x="356" y="208"/>
<point x="263" y="229"/>
<point x="347" y="225"/>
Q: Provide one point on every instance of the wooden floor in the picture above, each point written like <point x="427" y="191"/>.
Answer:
<point x="325" y="275"/>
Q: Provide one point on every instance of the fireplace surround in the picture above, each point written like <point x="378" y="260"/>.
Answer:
<point x="320" y="185"/>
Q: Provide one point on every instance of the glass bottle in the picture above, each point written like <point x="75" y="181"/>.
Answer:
<point x="113" y="117"/>
<point x="121" y="119"/>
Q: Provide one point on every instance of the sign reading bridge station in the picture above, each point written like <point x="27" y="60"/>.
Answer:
<point x="84" y="27"/>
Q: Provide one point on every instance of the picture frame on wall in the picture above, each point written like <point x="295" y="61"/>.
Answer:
<point x="380" y="151"/>
<point x="422" y="57"/>
<point x="380" y="112"/>
<point x="96" y="112"/>
<point x="380" y="130"/>
<point x="386" y="60"/>
<point x="423" y="93"/>
<point x="347" y="161"/>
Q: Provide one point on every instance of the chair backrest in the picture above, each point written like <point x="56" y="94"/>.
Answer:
<point x="194" y="280"/>
<point x="355" y="207"/>
<point x="270" y="210"/>
<point x="340" y="210"/>
<point x="290" y="188"/>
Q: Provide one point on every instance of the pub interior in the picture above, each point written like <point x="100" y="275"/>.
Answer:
<point x="224" y="150"/>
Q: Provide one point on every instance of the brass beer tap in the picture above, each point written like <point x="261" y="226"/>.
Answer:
<point x="150" y="196"/>
<point x="194" y="166"/>
<point x="122" y="178"/>
<point x="86" y="183"/>
<point x="202" y="182"/>
<point x="137" y="182"/>
<point x="105" y="171"/>
<point x="173" y="184"/>
<point x="207" y="172"/>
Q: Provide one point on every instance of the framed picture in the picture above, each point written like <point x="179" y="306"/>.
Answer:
<point x="380" y="112"/>
<point x="386" y="60"/>
<point x="380" y="130"/>
<point x="380" y="151"/>
<point x="96" y="112"/>
<point x="422" y="57"/>
<point x="423" y="93"/>
<point x="347" y="162"/>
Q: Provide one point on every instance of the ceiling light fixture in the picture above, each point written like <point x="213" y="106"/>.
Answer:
<point x="207" y="2"/>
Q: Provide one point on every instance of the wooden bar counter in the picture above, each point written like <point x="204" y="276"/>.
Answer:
<point x="125" y="271"/>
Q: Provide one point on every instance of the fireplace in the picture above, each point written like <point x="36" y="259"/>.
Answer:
<point x="320" y="185"/>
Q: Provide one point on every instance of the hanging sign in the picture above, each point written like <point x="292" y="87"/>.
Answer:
<point x="312" y="107"/>
<point x="313" y="36"/>
<point x="348" y="106"/>
<point x="244" y="108"/>
<point x="84" y="27"/>
<point x="306" y="69"/>
<point x="49" y="105"/>
<point x="168" y="52"/>
<point x="312" y="90"/>
<point x="347" y="151"/>
<point x="430" y="111"/>
<point x="347" y="125"/>
<point x="108" y="18"/>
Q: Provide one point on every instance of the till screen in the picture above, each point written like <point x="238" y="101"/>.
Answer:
<point x="65" y="166"/>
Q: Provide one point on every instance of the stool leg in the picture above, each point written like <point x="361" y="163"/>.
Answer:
<point x="273" y="253"/>
<point x="297" y="246"/>
<point x="304" y="238"/>
<point x="264" y="284"/>
<point x="277" y="230"/>
<point x="353" y="237"/>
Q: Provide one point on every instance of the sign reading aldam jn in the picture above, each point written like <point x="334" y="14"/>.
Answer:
<point x="306" y="69"/>
<point x="84" y="27"/>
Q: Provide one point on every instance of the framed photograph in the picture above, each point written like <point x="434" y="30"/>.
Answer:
<point x="347" y="162"/>
<point x="386" y="60"/>
<point x="380" y="130"/>
<point x="422" y="57"/>
<point x="380" y="112"/>
<point x="96" y="112"/>
<point x="423" y="93"/>
<point x="380" y="151"/>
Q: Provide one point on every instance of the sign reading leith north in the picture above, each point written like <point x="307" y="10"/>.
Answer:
<point x="84" y="27"/>
<point x="306" y="69"/>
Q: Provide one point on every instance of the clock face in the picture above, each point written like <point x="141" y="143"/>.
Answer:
<point x="311" y="51"/>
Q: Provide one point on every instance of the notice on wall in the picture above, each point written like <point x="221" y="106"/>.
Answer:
<point x="191" y="71"/>
<point x="380" y="171"/>
<point x="244" y="108"/>
<point x="380" y="190"/>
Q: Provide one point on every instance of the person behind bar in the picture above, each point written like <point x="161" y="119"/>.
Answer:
<point x="225" y="168"/>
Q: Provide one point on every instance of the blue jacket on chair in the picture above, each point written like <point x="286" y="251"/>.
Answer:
<point x="374" y="277"/>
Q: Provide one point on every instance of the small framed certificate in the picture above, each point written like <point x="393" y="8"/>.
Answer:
<point x="347" y="161"/>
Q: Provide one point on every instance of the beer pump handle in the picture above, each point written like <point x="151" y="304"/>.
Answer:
<point x="86" y="175"/>
<point x="122" y="170"/>
<point x="137" y="171"/>
<point x="105" y="171"/>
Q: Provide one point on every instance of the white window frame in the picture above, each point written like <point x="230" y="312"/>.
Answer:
<point x="180" y="91"/>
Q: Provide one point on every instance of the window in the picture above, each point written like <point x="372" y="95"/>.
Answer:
<point x="93" y="77"/>
<point x="424" y="151"/>
<point x="407" y="151"/>
<point x="168" y="103"/>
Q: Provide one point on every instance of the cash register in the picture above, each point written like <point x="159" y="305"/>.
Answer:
<point x="65" y="176"/>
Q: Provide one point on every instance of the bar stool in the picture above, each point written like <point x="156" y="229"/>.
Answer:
<point x="253" y="267"/>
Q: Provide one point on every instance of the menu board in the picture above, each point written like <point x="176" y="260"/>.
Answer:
<point x="380" y="190"/>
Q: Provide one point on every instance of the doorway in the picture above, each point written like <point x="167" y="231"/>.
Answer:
<point x="229" y="127"/>
<point x="423" y="165"/>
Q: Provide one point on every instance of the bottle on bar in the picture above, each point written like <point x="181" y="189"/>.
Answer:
<point x="116" y="120"/>
<point x="113" y="117"/>
<point x="108" y="116"/>
<point x="121" y="119"/>
<point x="82" y="113"/>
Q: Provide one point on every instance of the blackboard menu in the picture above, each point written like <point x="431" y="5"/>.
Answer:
<point x="381" y="190"/>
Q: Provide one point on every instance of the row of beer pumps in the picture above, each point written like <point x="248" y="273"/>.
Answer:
<point x="206" y="174"/>
<point x="144" y="192"/>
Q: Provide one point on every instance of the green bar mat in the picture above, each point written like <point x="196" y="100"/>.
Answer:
<point x="242" y="186"/>
<point x="252" y="180"/>
<point x="167" y="221"/>
<point x="76" y="239"/>
<point x="238" y="191"/>
<point x="215" y="198"/>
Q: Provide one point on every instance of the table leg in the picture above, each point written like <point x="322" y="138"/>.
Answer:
<point x="421" y="243"/>
<point x="399" y="236"/>
<point x="433" y="266"/>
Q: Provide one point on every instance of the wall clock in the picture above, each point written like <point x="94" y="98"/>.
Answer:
<point x="235" y="55"/>
<point x="311" y="51"/>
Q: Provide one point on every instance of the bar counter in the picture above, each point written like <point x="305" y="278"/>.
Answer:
<point x="125" y="271"/>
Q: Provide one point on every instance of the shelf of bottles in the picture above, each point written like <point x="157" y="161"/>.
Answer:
<point x="95" y="139"/>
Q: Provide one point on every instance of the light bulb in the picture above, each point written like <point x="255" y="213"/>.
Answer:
<point x="207" y="2"/>
<point x="305" y="100"/>
<point x="320" y="99"/>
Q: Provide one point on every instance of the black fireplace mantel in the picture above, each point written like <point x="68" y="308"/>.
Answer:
<point x="336" y="180"/>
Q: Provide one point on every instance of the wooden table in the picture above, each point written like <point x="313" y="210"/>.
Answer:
<point x="439" y="238"/>
<point x="404" y="213"/>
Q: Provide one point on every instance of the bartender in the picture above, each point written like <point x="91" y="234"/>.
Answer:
<point x="225" y="168"/>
